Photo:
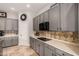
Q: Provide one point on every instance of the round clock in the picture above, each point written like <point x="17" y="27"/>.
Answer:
<point x="23" y="17"/>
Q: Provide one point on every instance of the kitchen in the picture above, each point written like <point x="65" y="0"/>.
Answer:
<point x="39" y="29"/>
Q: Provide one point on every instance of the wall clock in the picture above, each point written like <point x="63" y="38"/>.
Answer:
<point x="23" y="17"/>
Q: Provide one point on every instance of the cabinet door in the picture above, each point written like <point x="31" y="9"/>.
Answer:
<point x="68" y="17"/>
<point x="54" y="18"/>
<point x="8" y="42"/>
<point x="37" y="46"/>
<point x="36" y="24"/>
<point x="78" y="21"/>
<point x="62" y="53"/>
<point x="48" y="52"/>
<point x="14" y="41"/>
<point x="41" y="18"/>
<point x="4" y="42"/>
<point x="2" y="24"/>
<point x="32" y="43"/>
<point x="38" y="18"/>
<point x="9" y="24"/>
<point x="41" y="52"/>
<point x="15" y="25"/>
<point x="1" y="49"/>
<point x="46" y="16"/>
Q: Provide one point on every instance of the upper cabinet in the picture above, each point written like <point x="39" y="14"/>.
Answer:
<point x="61" y="17"/>
<point x="2" y="24"/>
<point x="45" y="16"/>
<point x="9" y="24"/>
<point x="68" y="17"/>
<point x="41" y="16"/>
<point x="54" y="18"/>
<point x="36" y="23"/>
<point x="15" y="25"/>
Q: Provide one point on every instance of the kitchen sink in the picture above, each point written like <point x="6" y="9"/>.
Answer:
<point x="44" y="39"/>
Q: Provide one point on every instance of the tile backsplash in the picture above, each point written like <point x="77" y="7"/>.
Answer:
<point x="66" y="36"/>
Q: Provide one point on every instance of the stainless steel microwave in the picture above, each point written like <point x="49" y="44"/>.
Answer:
<point x="44" y="26"/>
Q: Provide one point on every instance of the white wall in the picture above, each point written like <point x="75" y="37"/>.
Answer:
<point x="25" y="29"/>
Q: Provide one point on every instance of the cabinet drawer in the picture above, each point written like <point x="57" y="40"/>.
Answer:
<point x="49" y="50"/>
<point x="62" y="53"/>
<point x="50" y="47"/>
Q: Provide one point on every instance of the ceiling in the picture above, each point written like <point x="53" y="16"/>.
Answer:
<point x="35" y="7"/>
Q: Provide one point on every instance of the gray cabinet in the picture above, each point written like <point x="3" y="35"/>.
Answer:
<point x="2" y="23"/>
<point x="36" y="23"/>
<point x="1" y="49"/>
<point x="32" y="43"/>
<point x="49" y="50"/>
<point x="61" y="17"/>
<point x="8" y="24"/>
<point x="68" y="16"/>
<point x="41" y="18"/>
<point x="44" y="49"/>
<point x="15" y="25"/>
<point x="62" y="53"/>
<point x="37" y="46"/>
<point x="9" y="41"/>
<point x="54" y="18"/>
<point x="45" y="16"/>
<point x="11" y="24"/>
<point x="14" y="41"/>
<point x="78" y="21"/>
<point x="41" y="48"/>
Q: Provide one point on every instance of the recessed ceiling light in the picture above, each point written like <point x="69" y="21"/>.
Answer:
<point x="28" y="5"/>
<point x="12" y="8"/>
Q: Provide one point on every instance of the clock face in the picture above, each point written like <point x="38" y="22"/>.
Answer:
<point x="23" y="17"/>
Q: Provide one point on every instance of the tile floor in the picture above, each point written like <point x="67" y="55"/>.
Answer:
<point x="19" y="51"/>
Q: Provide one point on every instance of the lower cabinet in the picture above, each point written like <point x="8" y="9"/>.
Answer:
<point x="62" y="53"/>
<point x="49" y="51"/>
<point x="32" y="43"/>
<point x="44" y="49"/>
<point x="37" y="45"/>
<point x="1" y="49"/>
<point x="14" y="41"/>
<point x="9" y="41"/>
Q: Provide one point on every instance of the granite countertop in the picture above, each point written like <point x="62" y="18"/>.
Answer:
<point x="9" y="35"/>
<point x="62" y="45"/>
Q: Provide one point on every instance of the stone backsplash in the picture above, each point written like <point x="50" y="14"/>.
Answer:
<point x="66" y="36"/>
